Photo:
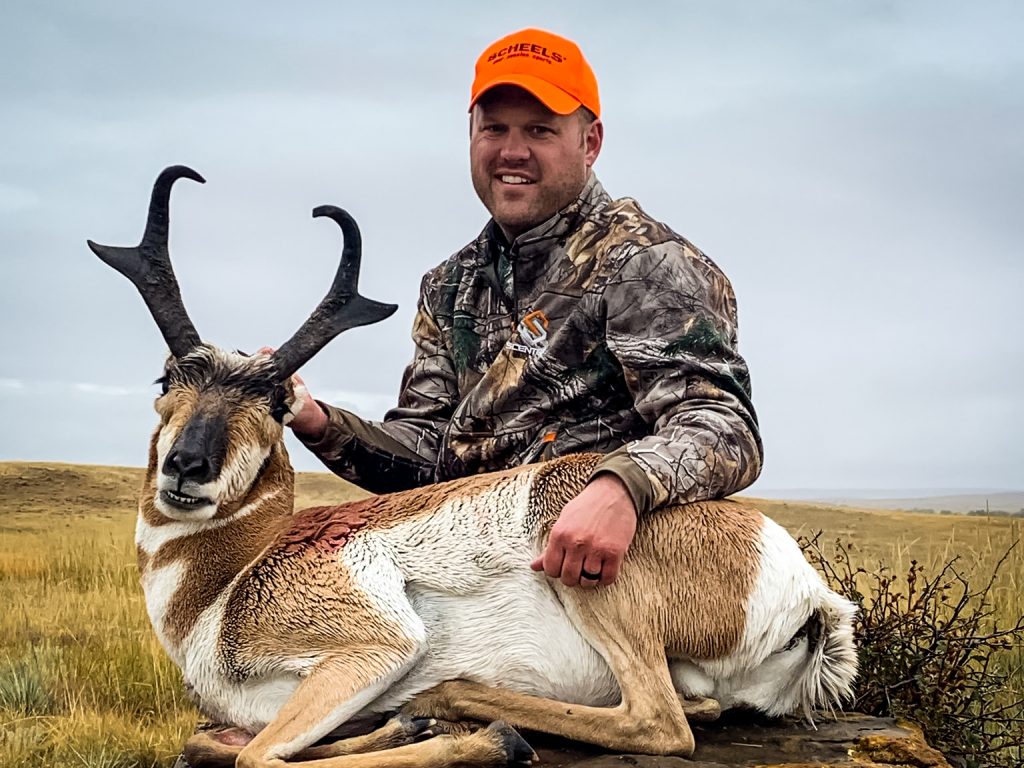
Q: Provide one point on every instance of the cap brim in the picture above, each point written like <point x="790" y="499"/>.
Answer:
<point x="551" y="96"/>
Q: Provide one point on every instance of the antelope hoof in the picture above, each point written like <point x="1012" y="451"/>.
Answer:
<point x="701" y="710"/>
<point x="517" y="751"/>
<point x="411" y="728"/>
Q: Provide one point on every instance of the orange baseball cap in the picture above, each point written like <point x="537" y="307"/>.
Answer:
<point x="547" y="65"/>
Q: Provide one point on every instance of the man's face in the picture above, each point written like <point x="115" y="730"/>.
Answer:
<point x="528" y="162"/>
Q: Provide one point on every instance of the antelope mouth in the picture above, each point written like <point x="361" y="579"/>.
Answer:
<point x="183" y="500"/>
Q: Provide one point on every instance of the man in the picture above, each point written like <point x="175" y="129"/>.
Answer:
<point x="574" y="322"/>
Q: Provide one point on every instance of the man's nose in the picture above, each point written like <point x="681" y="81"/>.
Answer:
<point x="515" y="148"/>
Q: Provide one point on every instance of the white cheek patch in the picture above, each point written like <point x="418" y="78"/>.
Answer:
<point x="238" y="475"/>
<point x="163" y="444"/>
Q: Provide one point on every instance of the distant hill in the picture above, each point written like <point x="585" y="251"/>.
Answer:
<point x="995" y="502"/>
<point x="34" y="490"/>
<point x="1010" y="503"/>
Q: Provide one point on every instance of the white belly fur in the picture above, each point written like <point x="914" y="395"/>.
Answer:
<point x="487" y="616"/>
<point x="514" y="635"/>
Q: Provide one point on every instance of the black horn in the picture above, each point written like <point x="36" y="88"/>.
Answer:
<point x="342" y="308"/>
<point x="148" y="265"/>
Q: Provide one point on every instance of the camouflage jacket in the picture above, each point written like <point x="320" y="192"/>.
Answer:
<point x="598" y="330"/>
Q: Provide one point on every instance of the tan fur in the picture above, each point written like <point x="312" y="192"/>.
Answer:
<point x="325" y="613"/>
<point x="146" y="509"/>
<point x="649" y="719"/>
<point x="249" y="427"/>
<point x="679" y="613"/>
<point x="274" y="552"/>
<point x="325" y="529"/>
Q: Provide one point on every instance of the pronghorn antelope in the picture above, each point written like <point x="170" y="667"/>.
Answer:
<point x="289" y="623"/>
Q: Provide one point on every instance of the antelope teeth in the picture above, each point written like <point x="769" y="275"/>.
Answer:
<point x="179" y="498"/>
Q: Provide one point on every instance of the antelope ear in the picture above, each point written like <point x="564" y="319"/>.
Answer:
<point x="342" y="308"/>
<point x="148" y="265"/>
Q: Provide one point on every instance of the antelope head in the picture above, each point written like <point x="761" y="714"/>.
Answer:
<point x="222" y="413"/>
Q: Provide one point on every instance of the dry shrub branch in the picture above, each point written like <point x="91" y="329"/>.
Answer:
<point x="935" y="650"/>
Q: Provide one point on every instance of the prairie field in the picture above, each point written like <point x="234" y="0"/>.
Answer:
<point x="83" y="681"/>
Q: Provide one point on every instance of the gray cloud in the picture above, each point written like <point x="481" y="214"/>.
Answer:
<point x="856" y="169"/>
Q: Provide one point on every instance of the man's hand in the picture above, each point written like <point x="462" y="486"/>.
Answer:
<point x="309" y="421"/>
<point x="590" y="538"/>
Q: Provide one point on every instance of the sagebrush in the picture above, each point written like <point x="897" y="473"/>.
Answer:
<point x="936" y="650"/>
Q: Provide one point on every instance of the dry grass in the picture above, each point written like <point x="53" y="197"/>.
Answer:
<point x="895" y="539"/>
<point x="84" y="683"/>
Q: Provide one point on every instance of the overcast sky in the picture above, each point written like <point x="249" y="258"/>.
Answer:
<point x="855" y="167"/>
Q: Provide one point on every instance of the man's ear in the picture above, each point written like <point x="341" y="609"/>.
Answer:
<point x="593" y="138"/>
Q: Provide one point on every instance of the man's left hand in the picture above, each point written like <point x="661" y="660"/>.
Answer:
<point x="591" y="536"/>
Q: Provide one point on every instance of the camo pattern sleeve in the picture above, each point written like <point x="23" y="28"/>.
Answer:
<point x="399" y="452"/>
<point x="671" y="324"/>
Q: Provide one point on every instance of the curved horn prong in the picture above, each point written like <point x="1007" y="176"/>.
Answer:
<point x="148" y="265"/>
<point x="342" y="308"/>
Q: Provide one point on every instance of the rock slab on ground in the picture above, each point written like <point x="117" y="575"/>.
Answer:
<point x="851" y="741"/>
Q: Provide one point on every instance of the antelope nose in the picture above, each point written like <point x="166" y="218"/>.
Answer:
<point x="188" y="465"/>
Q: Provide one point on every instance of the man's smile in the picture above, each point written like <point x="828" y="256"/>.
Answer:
<point x="514" y="178"/>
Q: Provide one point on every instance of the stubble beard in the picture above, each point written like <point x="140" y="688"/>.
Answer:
<point x="533" y="206"/>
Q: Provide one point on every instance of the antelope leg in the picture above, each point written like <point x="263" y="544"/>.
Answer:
<point x="496" y="745"/>
<point x="649" y="719"/>
<point x="210" y="749"/>
<point x="343" y="685"/>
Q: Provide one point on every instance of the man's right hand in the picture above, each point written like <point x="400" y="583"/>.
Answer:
<point x="308" y="420"/>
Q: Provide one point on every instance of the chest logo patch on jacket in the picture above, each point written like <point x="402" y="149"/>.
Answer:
<point x="533" y="334"/>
